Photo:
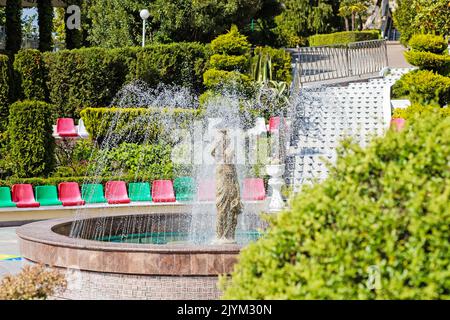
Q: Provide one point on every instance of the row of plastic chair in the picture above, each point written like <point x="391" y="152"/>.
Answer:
<point x="115" y="192"/>
<point x="65" y="128"/>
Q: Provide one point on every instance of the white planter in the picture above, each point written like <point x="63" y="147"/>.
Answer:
<point x="275" y="170"/>
<point x="276" y="182"/>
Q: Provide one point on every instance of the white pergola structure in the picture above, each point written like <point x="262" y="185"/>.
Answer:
<point x="33" y="3"/>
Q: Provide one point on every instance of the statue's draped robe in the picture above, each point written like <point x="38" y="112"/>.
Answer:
<point x="228" y="197"/>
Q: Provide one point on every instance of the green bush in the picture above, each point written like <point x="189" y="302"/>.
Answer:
<point x="417" y="109"/>
<point x="221" y="79"/>
<point x="428" y="42"/>
<point x="281" y="62"/>
<point x="429" y="61"/>
<point x="132" y="124"/>
<point x="229" y="63"/>
<point x="141" y="161"/>
<point x="227" y="68"/>
<point x="30" y="135"/>
<point x="5" y="77"/>
<point x="423" y="86"/>
<point x="231" y="43"/>
<point x="344" y="37"/>
<point x="31" y="75"/>
<point x="383" y="212"/>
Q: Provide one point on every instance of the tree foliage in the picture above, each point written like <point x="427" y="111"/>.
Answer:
<point x="422" y="16"/>
<point x="377" y="228"/>
<point x="117" y="22"/>
<point x="302" y="18"/>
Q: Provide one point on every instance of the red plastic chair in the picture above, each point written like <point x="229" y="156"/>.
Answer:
<point x="253" y="189"/>
<point x="23" y="196"/>
<point x="207" y="190"/>
<point x="65" y="127"/>
<point x="274" y="124"/>
<point x="162" y="191"/>
<point x="116" y="192"/>
<point x="398" y="124"/>
<point x="69" y="194"/>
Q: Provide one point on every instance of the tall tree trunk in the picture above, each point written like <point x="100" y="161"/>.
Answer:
<point x="346" y="24"/>
<point x="353" y="21"/>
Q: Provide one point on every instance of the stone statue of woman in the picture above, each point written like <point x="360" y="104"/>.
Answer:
<point x="228" y="196"/>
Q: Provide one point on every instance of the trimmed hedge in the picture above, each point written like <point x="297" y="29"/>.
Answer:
<point x="428" y="43"/>
<point x="30" y="136"/>
<point x="132" y="124"/>
<point x="429" y="61"/>
<point x="344" y="37"/>
<point x="420" y="110"/>
<point x="5" y="77"/>
<point x="31" y="74"/>
<point x="423" y="86"/>
<point x="85" y="77"/>
<point x="91" y="77"/>
<point x="382" y="213"/>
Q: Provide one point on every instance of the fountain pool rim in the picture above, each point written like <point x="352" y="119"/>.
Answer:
<point x="44" y="242"/>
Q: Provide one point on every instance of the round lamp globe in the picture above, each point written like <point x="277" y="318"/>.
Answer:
<point x="144" y="14"/>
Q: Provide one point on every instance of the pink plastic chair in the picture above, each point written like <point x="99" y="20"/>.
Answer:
<point x="23" y="196"/>
<point x="69" y="194"/>
<point x="253" y="189"/>
<point x="162" y="191"/>
<point x="116" y="192"/>
<point x="65" y="127"/>
<point x="207" y="190"/>
<point x="398" y="124"/>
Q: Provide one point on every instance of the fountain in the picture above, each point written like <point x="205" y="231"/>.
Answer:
<point x="162" y="251"/>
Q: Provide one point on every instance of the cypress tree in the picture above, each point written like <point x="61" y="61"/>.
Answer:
<point x="45" y="15"/>
<point x="13" y="12"/>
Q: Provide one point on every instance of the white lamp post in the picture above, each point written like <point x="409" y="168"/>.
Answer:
<point x="145" y="14"/>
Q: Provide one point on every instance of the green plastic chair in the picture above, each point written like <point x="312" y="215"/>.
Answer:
<point x="93" y="193"/>
<point x="139" y="191"/>
<point x="185" y="188"/>
<point x="5" y="198"/>
<point x="47" y="196"/>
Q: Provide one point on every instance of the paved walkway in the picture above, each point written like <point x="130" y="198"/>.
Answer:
<point x="396" y="59"/>
<point x="10" y="260"/>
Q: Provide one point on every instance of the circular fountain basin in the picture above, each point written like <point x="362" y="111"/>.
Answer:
<point x="102" y="267"/>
